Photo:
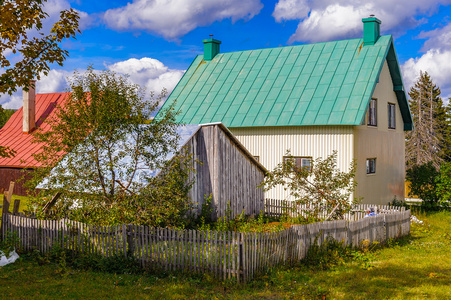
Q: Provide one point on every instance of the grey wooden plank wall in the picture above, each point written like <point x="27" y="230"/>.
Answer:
<point x="225" y="172"/>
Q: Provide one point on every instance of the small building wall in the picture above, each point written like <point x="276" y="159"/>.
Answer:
<point x="14" y="174"/>
<point x="384" y="144"/>
<point x="270" y="144"/>
<point x="227" y="171"/>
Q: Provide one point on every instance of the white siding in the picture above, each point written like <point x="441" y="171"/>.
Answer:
<point x="270" y="144"/>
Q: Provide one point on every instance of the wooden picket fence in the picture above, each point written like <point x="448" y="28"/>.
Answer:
<point x="222" y="254"/>
<point x="277" y="208"/>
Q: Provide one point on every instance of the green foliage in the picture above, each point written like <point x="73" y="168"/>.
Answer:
<point x="114" y="153"/>
<point x="164" y="202"/>
<point x="24" y="58"/>
<point x="323" y="185"/>
<point x="398" y="202"/>
<point x="65" y="259"/>
<point x="9" y="243"/>
<point x="444" y="184"/>
<point x="329" y="254"/>
<point x="5" y="115"/>
<point x="423" y="182"/>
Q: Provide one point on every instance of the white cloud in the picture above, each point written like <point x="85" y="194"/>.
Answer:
<point x="436" y="63"/>
<point x="174" y="18"/>
<point x="291" y="10"/>
<point x="435" y="60"/>
<point x="322" y="21"/>
<point x="149" y="73"/>
<point x="54" y="82"/>
<point x="437" y="39"/>
<point x="12" y="102"/>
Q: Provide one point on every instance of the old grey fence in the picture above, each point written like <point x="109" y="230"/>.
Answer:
<point x="222" y="254"/>
<point x="276" y="208"/>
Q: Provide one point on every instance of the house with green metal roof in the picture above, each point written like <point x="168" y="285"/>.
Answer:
<point x="311" y="99"/>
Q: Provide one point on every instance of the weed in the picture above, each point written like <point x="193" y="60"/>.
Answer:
<point x="329" y="254"/>
<point x="9" y="243"/>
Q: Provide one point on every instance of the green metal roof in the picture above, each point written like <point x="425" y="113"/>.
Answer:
<point x="327" y="83"/>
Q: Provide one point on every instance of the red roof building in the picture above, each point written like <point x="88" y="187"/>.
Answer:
<point x="18" y="132"/>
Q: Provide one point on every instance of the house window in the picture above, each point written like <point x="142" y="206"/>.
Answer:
<point x="300" y="162"/>
<point x="371" y="166"/>
<point x="372" y="113"/>
<point x="257" y="158"/>
<point x="391" y="116"/>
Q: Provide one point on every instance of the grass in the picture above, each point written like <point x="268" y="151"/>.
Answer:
<point x="23" y="203"/>
<point x="415" y="267"/>
<point x="24" y="200"/>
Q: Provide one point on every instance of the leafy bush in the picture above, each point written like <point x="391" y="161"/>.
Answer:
<point x="444" y="184"/>
<point x="64" y="258"/>
<point x="423" y="183"/>
<point x="9" y="243"/>
<point x="329" y="254"/>
<point x="323" y="185"/>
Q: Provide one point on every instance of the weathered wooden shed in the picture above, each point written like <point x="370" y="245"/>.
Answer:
<point x="228" y="171"/>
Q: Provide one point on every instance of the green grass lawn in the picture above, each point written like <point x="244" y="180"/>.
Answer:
<point x="417" y="267"/>
<point x="23" y="203"/>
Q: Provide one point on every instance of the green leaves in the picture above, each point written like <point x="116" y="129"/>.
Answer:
<point x="112" y="154"/>
<point x="323" y="185"/>
<point x="17" y="18"/>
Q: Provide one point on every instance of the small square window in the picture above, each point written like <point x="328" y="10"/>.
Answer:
<point x="300" y="162"/>
<point x="372" y="113"/>
<point x="371" y="166"/>
<point x="391" y="116"/>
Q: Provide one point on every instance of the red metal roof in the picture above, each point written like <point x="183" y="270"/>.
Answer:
<point x="12" y="136"/>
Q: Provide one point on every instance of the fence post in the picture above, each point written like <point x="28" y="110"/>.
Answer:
<point x="130" y="242"/>
<point x="16" y="207"/>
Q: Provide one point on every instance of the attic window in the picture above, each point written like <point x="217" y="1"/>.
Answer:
<point x="391" y="116"/>
<point x="372" y="113"/>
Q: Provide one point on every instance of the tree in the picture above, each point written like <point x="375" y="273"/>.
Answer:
<point x="443" y="182"/>
<point x="18" y="20"/>
<point x="113" y="150"/>
<point x="423" y="182"/>
<point x="425" y="143"/>
<point x="322" y="184"/>
<point x="5" y="114"/>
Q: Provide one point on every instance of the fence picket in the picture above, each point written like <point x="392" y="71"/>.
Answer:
<point x="223" y="254"/>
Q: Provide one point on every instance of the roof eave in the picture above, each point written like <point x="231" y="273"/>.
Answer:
<point x="398" y="86"/>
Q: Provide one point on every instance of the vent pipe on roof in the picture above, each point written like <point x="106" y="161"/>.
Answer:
<point x="29" y="110"/>
<point x="371" y="30"/>
<point x="211" y="48"/>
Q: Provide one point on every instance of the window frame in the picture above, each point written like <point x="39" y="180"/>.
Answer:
<point x="369" y="170"/>
<point x="391" y="114"/>
<point x="302" y="158"/>
<point x="372" y="110"/>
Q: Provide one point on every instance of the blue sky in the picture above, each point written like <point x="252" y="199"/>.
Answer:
<point x="154" y="41"/>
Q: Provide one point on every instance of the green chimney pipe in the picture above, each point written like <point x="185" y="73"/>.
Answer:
<point x="211" y="48"/>
<point x="371" y="30"/>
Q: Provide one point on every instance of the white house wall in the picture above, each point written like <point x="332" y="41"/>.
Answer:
<point x="271" y="143"/>
<point x="386" y="145"/>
